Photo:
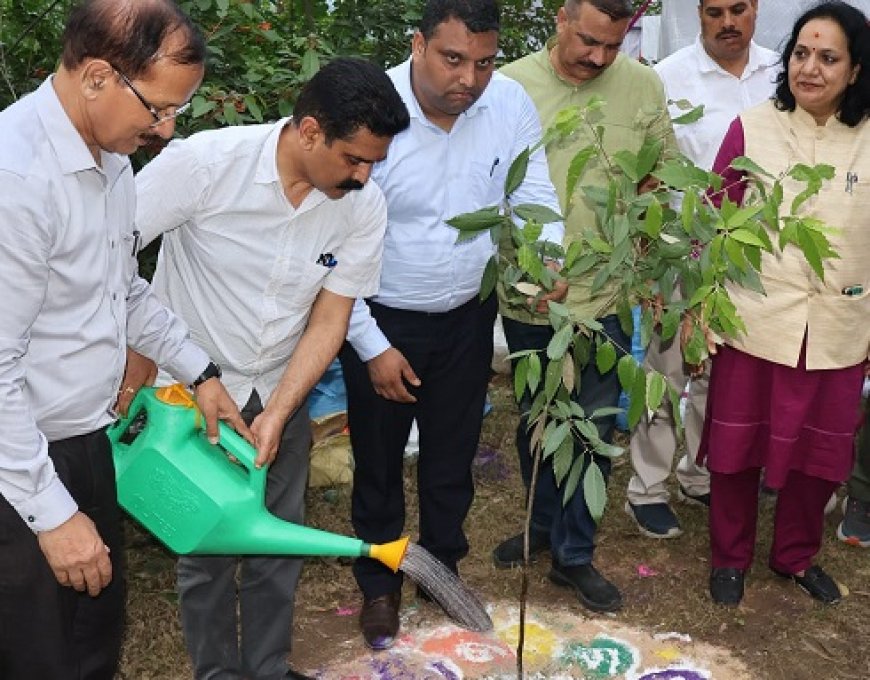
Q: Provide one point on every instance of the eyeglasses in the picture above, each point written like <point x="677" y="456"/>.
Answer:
<point x="160" y="116"/>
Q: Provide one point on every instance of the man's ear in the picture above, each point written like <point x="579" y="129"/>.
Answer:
<point x="418" y="44"/>
<point x="95" y="75"/>
<point x="309" y="132"/>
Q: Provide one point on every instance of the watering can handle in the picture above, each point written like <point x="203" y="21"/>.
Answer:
<point x="238" y="447"/>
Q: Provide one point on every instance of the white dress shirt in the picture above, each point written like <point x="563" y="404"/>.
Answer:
<point x="691" y="74"/>
<point x="238" y="262"/>
<point x="430" y="176"/>
<point x="72" y="299"/>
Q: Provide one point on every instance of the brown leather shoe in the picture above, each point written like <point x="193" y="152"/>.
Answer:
<point x="379" y="620"/>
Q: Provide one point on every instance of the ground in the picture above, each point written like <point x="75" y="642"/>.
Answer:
<point x="778" y="633"/>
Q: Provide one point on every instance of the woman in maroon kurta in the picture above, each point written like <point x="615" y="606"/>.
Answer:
<point x="795" y="422"/>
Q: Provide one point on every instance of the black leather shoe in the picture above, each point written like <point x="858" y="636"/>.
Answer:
<point x="509" y="553"/>
<point x="379" y="620"/>
<point x="296" y="675"/>
<point x="726" y="585"/>
<point x="593" y="590"/>
<point x="815" y="582"/>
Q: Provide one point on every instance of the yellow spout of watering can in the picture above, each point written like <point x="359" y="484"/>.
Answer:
<point x="391" y="554"/>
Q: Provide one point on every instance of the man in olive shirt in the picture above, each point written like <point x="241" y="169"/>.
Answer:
<point x="583" y="61"/>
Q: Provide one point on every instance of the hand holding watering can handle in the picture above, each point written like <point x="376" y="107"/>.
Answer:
<point x="236" y="446"/>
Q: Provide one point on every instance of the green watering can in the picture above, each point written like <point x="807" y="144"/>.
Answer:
<point x="209" y="499"/>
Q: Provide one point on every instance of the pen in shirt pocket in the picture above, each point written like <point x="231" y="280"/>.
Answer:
<point x="492" y="168"/>
<point x="137" y="235"/>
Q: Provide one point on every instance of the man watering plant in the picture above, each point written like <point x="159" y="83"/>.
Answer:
<point x="269" y="234"/>
<point x="73" y="303"/>
<point x="583" y="61"/>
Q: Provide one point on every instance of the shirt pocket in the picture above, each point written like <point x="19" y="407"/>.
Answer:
<point x="302" y="282"/>
<point x="486" y="180"/>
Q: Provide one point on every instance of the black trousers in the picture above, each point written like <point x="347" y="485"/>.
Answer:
<point x="49" y="631"/>
<point x="451" y="354"/>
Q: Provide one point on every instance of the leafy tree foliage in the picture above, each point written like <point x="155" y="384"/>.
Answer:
<point x="260" y="51"/>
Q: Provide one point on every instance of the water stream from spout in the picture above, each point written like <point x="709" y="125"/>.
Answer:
<point x="445" y="588"/>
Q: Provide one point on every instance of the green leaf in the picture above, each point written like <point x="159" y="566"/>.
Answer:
<point x="735" y="254"/>
<point x="670" y="323"/>
<point x="637" y="399"/>
<point x="652" y="223"/>
<point x="553" y="378"/>
<point x="477" y="221"/>
<point x="537" y="213"/>
<point x="201" y="106"/>
<point x="655" y="390"/>
<point x="647" y="326"/>
<point x="627" y="162"/>
<point x="648" y="156"/>
<point x="562" y="460"/>
<point x="746" y="164"/>
<point x="490" y="278"/>
<point x="742" y="216"/>
<point x="517" y="172"/>
<point x="534" y="372"/>
<point x="559" y="342"/>
<point x="605" y="357"/>
<point x="747" y="237"/>
<point x="254" y="108"/>
<point x="554" y="439"/>
<point x="692" y="116"/>
<point x="310" y="64"/>
<point x="626" y="317"/>
<point x="626" y="368"/>
<point x="811" y="252"/>
<point x="521" y="374"/>
<point x="576" y="169"/>
<point x="594" y="490"/>
<point x="223" y="6"/>
<point x="587" y="430"/>
<point x="700" y="294"/>
<point x="681" y="175"/>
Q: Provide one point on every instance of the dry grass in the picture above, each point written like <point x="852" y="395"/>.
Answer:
<point x="778" y="631"/>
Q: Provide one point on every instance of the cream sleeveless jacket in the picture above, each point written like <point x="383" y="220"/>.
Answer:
<point x="835" y="315"/>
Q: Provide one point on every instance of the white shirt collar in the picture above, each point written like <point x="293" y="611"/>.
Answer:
<point x="72" y="153"/>
<point x="758" y="59"/>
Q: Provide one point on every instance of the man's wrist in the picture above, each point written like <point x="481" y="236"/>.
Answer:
<point x="211" y="371"/>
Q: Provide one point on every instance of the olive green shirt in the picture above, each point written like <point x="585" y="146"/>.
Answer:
<point x="635" y="110"/>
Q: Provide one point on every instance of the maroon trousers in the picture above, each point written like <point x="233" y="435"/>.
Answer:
<point x="798" y="523"/>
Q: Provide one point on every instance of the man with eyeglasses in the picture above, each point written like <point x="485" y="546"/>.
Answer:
<point x="160" y="115"/>
<point x="73" y="301"/>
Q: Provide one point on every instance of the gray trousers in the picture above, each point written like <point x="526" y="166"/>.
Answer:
<point x="252" y="642"/>
<point x="654" y="441"/>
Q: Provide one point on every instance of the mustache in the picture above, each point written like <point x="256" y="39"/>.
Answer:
<point x="591" y="65"/>
<point x="729" y="33"/>
<point x="350" y="185"/>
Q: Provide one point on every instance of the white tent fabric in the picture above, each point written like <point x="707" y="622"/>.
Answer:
<point x="680" y="24"/>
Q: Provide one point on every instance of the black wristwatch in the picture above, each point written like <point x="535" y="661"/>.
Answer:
<point x="211" y="371"/>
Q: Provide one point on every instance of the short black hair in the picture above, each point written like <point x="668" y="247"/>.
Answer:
<point x="479" y="16"/>
<point x="855" y="106"/>
<point x="617" y="10"/>
<point x="348" y="94"/>
<point x="129" y="34"/>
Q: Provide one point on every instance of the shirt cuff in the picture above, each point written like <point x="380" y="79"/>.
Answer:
<point x="370" y="346"/>
<point x="48" y="509"/>
<point x="188" y="364"/>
